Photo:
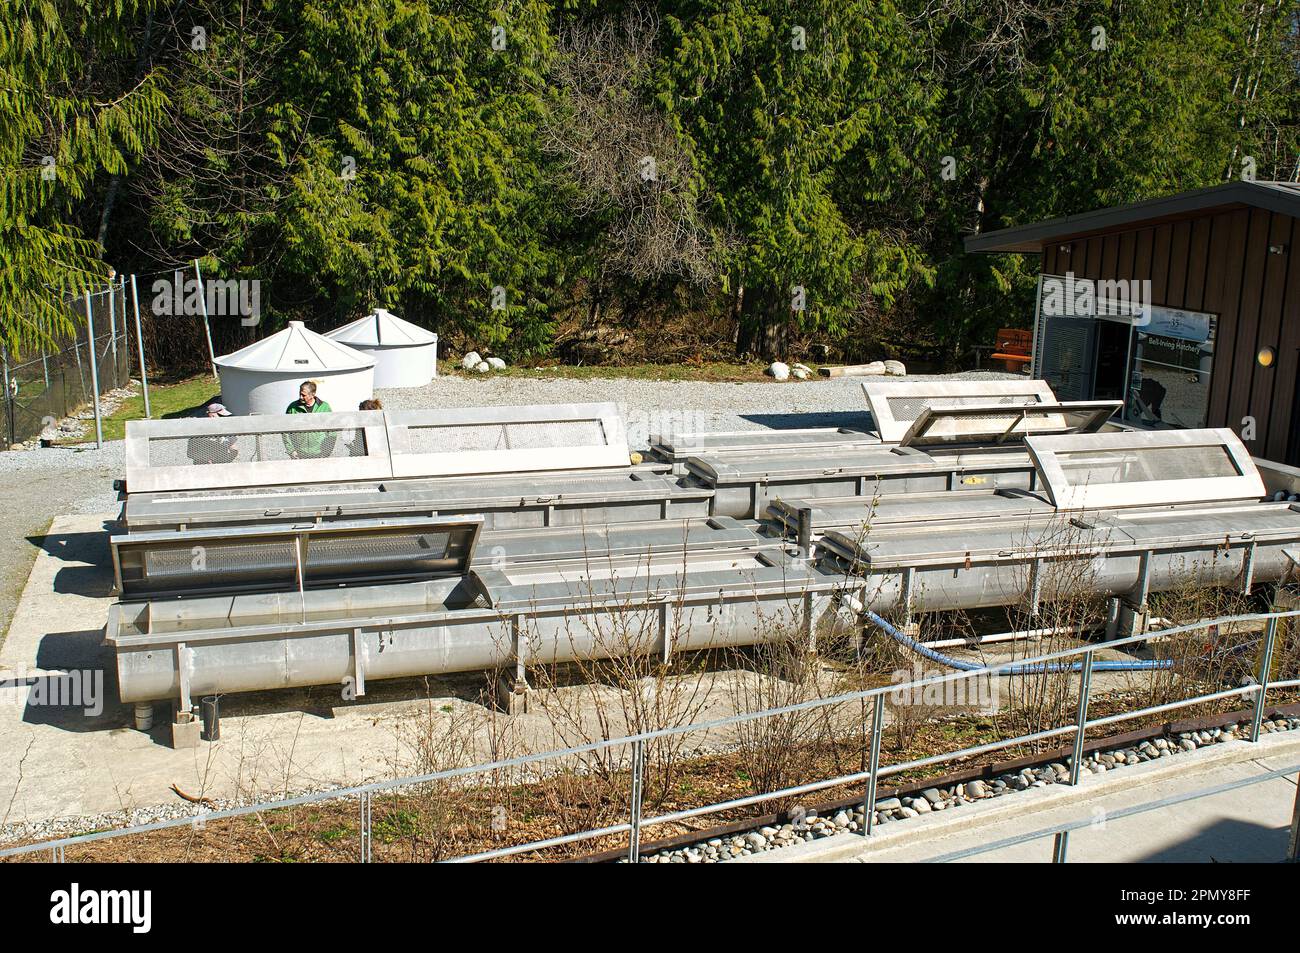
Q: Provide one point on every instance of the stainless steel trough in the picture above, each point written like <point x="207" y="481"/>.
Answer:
<point x="502" y="500"/>
<point x="1120" y="514"/>
<point x="548" y="596"/>
<point x="975" y="443"/>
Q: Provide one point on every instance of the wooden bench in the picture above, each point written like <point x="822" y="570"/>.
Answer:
<point x="1013" y="348"/>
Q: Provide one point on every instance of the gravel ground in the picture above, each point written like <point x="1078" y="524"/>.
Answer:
<point x="42" y="483"/>
<point x="651" y="407"/>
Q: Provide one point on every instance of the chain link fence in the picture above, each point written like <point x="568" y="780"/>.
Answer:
<point x="43" y="388"/>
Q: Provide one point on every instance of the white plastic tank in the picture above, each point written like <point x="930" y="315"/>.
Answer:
<point x="405" y="354"/>
<point x="264" y="377"/>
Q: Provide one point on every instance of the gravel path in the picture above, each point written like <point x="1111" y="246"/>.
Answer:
<point x="42" y="483"/>
<point x="651" y="407"/>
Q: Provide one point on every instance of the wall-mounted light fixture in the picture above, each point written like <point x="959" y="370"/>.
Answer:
<point x="1277" y="249"/>
<point x="1065" y="249"/>
<point x="1266" y="356"/>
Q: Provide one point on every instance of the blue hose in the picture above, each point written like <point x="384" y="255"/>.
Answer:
<point x="1039" y="668"/>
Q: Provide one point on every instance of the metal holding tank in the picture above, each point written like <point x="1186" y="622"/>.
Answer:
<point x="495" y="538"/>
<point x="405" y="354"/>
<point x="286" y="606"/>
<point x="1119" y="514"/>
<point x="264" y="377"/>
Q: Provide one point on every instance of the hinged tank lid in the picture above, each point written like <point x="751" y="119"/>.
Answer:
<point x="896" y="404"/>
<point x="998" y="424"/>
<point x="287" y="556"/>
<point x="1145" y="468"/>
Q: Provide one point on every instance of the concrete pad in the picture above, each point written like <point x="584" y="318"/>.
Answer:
<point x="63" y="761"/>
<point x="1248" y="824"/>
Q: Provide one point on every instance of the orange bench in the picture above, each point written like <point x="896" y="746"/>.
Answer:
<point x="1013" y="348"/>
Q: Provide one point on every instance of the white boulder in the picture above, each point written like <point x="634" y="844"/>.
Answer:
<point x="471" y="360"/>
<point x="496" y="363"/>
<point x="483" y="367"/>
<point x="895" y="368"/>
<point x="799" y="373"/>
<point x="779" y="371"/>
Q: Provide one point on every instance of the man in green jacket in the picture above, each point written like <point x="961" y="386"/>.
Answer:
<point x="309" y="443"/>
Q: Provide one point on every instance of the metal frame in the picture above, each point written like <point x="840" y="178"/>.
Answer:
<point x="880" y="392"/>
<point x="1064" y="496"/>
<point x="387" y="451"/>
<point x="612" y="453"/>
<point x="677" y="447"/>
<point x="142" y="477"/>
<point x="636" y="824"/>
<point x="1039" y="418"/>
<point x="300" y="535"/>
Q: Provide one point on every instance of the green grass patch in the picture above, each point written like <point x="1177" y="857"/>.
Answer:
<point x="332" y="834"/>
<point x="179" y="399"/>
<point x="398" y="824"/>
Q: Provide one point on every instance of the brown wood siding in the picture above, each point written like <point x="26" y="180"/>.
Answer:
<point x="1247" y="328"/>
<point x="1273" y="421"/>
<point x="1223" y="294"/>
<point x="1220" y="263"/>
<point x="1197" y="257"/>
<point x="1049" y="260"/>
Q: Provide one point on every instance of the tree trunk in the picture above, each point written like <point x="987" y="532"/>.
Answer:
<point x="764" y="327"/>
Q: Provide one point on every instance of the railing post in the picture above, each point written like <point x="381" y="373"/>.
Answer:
<point x="1081" y="719"/>
<point x="877" y="730"/>
<point x="638" y="776"/>
<point x="1265" y="665"/>
<point x="94" y="373"/>
<point x="139" y="343"/>
<point x="56" y="854"/>
<point x="1060" y="846"/>
<point x="1293" y="844"/>
<point x="365" y="827"/>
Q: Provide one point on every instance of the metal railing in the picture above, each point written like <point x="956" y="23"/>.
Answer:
<point x="636" y="823"/>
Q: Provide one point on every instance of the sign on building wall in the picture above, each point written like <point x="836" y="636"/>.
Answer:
<point x="1176" y="323"/>
<point x="1107" y="339"/>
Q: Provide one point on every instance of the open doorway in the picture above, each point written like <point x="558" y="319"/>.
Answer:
<point x="1111" y="370"/>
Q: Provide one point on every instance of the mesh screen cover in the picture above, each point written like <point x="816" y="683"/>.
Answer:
<point x="1147" y="464"/>
<point x="257" y="448"/>
<point x="510" y="436"/>
<point x="909" y="408"/>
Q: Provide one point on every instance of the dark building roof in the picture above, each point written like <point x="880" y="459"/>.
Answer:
<point x="1283" y="197"/>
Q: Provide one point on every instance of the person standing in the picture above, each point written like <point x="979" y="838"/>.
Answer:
<point x="308" y="402"/>
<point x="308" y="443"/>
<point x="213" y="449"/>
